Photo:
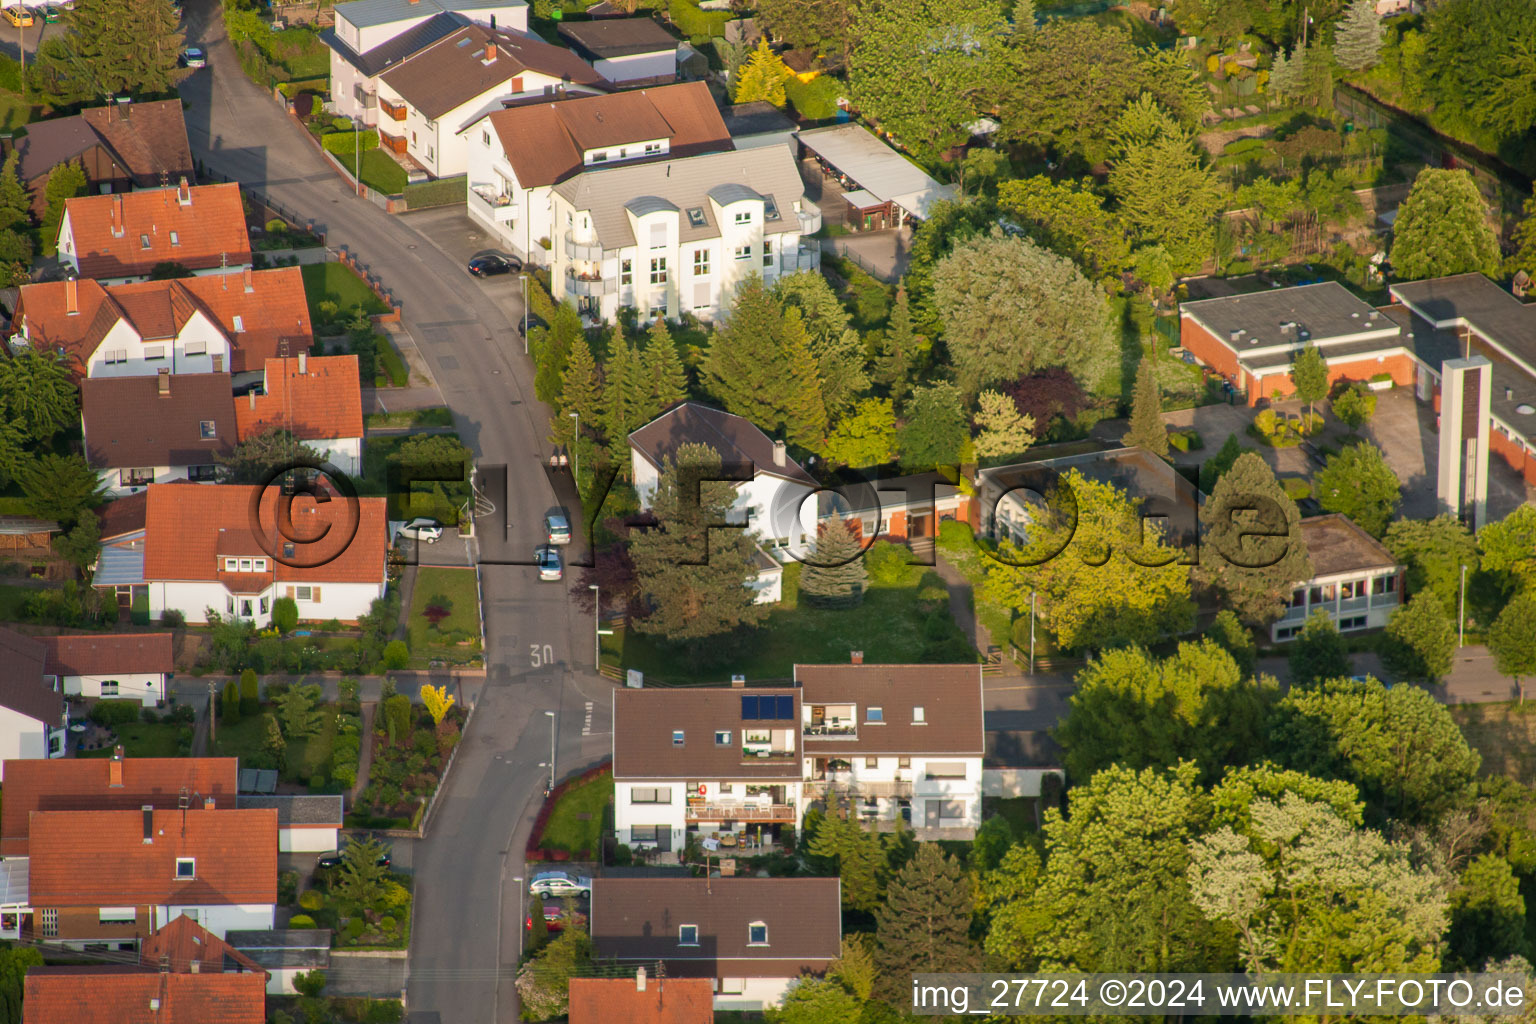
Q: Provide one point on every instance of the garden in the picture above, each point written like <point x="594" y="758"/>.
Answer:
<point x="140" y="731"/>
<point x="230" y="646"/>
<point x="362" y="902"/>
<point x="306" y="740"/>
<point x="427" y="458"/>
<point x="574" y="818"/>
<point x="444" y="619"/>
<point x="411" y="747"/>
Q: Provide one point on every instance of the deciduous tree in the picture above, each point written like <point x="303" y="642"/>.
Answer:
<point x="1359" y="483"/>
<point x="816" y="1001"/>
<point x="1442" y="228"/>
<point x="1355" y="406"/>
<point x="1146" y="428"/>
<point x="1253" y="552"/>
<point x="1508" y="549"/>
<point x="1422" y="639"/>
<point x="1318" y="652"/>
<point x="1069" y="218"/>
<point x="259" y="457"/>
<point x="865" y="438"/>
<point x="543" y="983"/>
<point x="1309" y="376"/>
<point x="1487" y="913"/>
<point x="934" y="433"/>
<point x="1228" y="631"/>
<point x="1433" y="552"/>
<point x="1512" y="640"/>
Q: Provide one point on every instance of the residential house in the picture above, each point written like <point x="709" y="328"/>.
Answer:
<point x="305" y="823"/>
<point x="771" y="488"/>
<point x="1355" y="580"/>
<point x="755" y="938"/>
<point x="629" y="52"/>
<point x="318" y="399"/>
<point x="370" y="36"/>
<point x="120" y="147"/>
<point x="425" y="99"/>
<point x="881" y="188"/>
<point x="111" y="665"/>
<point x="642" y="1000"/>
<point x="517" y="155"/>
<point x="284" y="953"/>
<point x="33" y="716"/>
<point x="906" y="508"/>
<point x="219" y="548"/>
<point x="680" y="236"/>
<point x="215" y="865"/>
<point x="145" y="430"/>
<point x="758" y="124"/>
<point x="897" y="742"/>
<point x="124" y="236"/>
<point x="184" y="975"/>
<point x="224" y="323"/>
<point x="106" y="784"/>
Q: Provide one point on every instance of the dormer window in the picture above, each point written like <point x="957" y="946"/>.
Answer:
<point x="874" y="715"/>
<point x="744" y="217"/>
<point x="208" y="429"/>
<point x="652" y="148"/>
<point x="688" y="935"/>
<point x="757" y="933"/>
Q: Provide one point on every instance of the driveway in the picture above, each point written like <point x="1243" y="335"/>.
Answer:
<point x="464" y="940"/>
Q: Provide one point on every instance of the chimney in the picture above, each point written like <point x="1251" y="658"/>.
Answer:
<point x="117" y="215"/>
<point x="779" y="457"/>
<point x="640" y="980"/>
<point x="252" y="396"/>
<point x="183" y="193"/>
<point x="490" y="52"/>
<point x="164" y="378"/>
<point x="856" y="657"/>
<point x="71" y="296"/>
<point x="249" y="285"/>
<point x="115" y="768"/>
<point x="208" y="803"/>
<point x="303" y="363"/>
<point x="194" y="967"/>
<point x="149" y="824"/>
<point x="738" y="681"/>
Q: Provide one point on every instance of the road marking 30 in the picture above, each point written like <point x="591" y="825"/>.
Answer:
<point x="586" y="726"/>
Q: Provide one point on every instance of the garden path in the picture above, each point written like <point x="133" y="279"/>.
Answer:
<point x="365" y="761"/>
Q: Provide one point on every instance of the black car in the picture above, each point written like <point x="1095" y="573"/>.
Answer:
<point x="489" y="264"/>
<point x="334" y="860"/>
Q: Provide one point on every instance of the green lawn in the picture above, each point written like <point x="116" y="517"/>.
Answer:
<point x="380" y="173"/>
<point x="888" y="627"/>
<point x="972" y="564"/>
<point x="438" y="501"/>
<point x="577" y="821"/>
<point x="441" y="416"/>
<point x="339" y="284"/>
<point x="14" y="112"/>
<point x="144" y="740"/>
<point x="11" y="600"/>
<point x="456" y="591"/>
<point x="247" y="740"/>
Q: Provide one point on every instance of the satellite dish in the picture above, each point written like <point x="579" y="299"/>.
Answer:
<point x="1523" y="409"/>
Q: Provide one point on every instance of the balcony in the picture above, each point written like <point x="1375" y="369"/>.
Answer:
<point x="492" y="205"/>
<point x="843" y="784"/>
<point x="946" y="786"/>
<point x="589" y="251"/>
<point x="741" y="812"/>
<point x="833" y="729"/>
<point x="803" y="258"/>
<point x="810" y="220"/>
<point x="394" y="143"/>
<point x="590" y="284"/>
<point x="392" y="111"/>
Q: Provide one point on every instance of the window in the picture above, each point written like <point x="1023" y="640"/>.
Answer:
<point x="767" y="252"/>
<point x="48" y="921"/>
<point x="259" y="565"/>
<point x="744" y="217"/>
<point x="600" y="156"/>
<point x="696" y="216"/>
<point x="726" y="789"/>
<point x="946" y="769"/>
<point x="175" y="238"/>
<point x="688" y="935"/>
<point x="757" y="934"/>
<point x="230" y="605"/>
<point x="626" y="272"/>
<point x="109" y="688"/>
<point x="677" y="737"/>
<point x="1384" y="585"/>
<point x="722" y="737"/>
<point x="732" y="986"/>
<point x="770" y="209"/>
<point x="651" y="795"/>
<point x="485" y="139"/>
<point x="658" y="236"/>
<point x="659" y="270"/>
<point x="904" y="762"/>
<point x="154" y="351"/>
<point x="1286" y="632"/>
<point x="136" y="477"/>
<point x="871" y="763"/>
<point x="245" y="609"/>
<point x="143" y="241"/>
<point x="287" y="549"/>
<point x="117" y="915"/>
<point x="743" y="252"/>
<point x="646" y="833"/>
<point x="208" y="429"/>
<point x="245" y="565"/>
<point x="1352" y="622"/>
<point x="265" y="606"/>
<point x="302" y="593"/>
<point x="118" y="355"/>
<point x="701" y="263"/>
<point x="202" y="474"/>
<point x="186" y="868"/>
<point x="231" y="565"/>
<point x="919" y="716"/>
<point x="239" y="324"/>
<point x="874" y="714"/>
<point x="652" y="148"/>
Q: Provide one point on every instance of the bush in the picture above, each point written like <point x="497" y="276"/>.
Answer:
<point x="110" y="712"/>
<point x="1185" y="440"/>
<point x="172" y="619"/>
<point x="1296" y="488"/>
<point x="285" y="614"/>
<point x="387" y="923"/>
<point x="396" y="719"/>
<point x="815" y="100"/>
<point x="396" y="655"/>
<point x="287" y="886"/>
<point x="182" y="714"/>
<point x="139" y="613"/>
<point x="955" y="534"/>
<point x="301" y="921"/>
<point x="312" y="900"/>
<point x="230" y="713"/>
<point x="149" y="716"/>
<point x="886" y="562"/>
<point x="698" y="25"/>
<point x="250" y="693"/>
<point x="354" y="929"/>
<point x="309" y="983"/>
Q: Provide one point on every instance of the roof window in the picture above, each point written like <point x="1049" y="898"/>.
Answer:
<point x="186" y="868"/>
<point x="143" y="241"/>
<point x="770" y="209"/>
<point x="688" y="935"/>
<point x="757" y="933"/>
<point x="208" y="430"/>
<point x="677" y="737"/>
<point x="696" y="216"/>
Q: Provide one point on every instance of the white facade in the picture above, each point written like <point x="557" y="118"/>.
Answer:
<point x="927" y="792"/>
<point x="345" y="601"/>
<point x="120" y="482"/>
<point x="637" y="66"/>
<point x="751" y="994"/>
<point x="219" y="918"/>
<point x="780" y="512"/>
<point x="147" y="687"/>
<point x="25" y="737"/>
<point x="307" y="839"/>
<point x="200" y="347"/>
<point x="656" y="814"/>
<point x="345" y="453"/>
<point x="1365" y="599"/>
<point x="517" y="216"/>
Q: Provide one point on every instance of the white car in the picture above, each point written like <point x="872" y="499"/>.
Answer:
<point x="548" y="884"/>
<point x="194" y="57"/>
<point x="557" y="529"/>
<point x="429" y="530"/>
<point x="550" y="567"/>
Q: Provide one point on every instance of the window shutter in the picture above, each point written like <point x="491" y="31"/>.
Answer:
<point x="289" y="592"/>
<point x="315" y="595"/>
<point x="658" y="236"/>
<point x="517" y="84"/>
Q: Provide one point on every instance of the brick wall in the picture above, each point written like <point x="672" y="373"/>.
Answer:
<point x="1278" y="385"/>
<point x="1211" y="351"/>
<point x="1514" y="453"/>
<point x="85" y="923"/>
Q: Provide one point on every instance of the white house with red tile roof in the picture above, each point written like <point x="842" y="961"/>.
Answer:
<point x="110" y="665"/>
<point x="222" y="323"/>
<point x="221" y="548"/>
<point x="319" y="399"/>
<point x="33" y="717"/>
<point x="124" y="236"/>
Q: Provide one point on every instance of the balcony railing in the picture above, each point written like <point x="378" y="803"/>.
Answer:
<point x="582" y="250"/>
<point x="393" y="112"/>
<point x="393" y="143"/>
<point x="803" y="258"/>
<point x="844" y="784"/>
<point x="590" y="284"/>
<point x="810" y="220"/>
<point x="741" y="812"/>
<point x="493" y="206"/>
<point x="846" y="730"/>
<point x="1353" y="604"/>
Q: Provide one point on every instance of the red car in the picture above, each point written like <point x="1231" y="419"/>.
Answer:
<point x="555" y="918"/>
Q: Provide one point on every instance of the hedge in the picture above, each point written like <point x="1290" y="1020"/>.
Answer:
<point x="115" y="711"/>
<point x="342" y="144"/>
<point x="393" y="367"/>
<point x="695" y="23"/>
<point x="443" y="192"/>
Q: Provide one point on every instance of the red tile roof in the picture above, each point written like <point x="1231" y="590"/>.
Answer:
<point x="85" y="784"/>
<point x="102" y="654"/>
<point x="130" y="422"/>
<point x="234" y="853"/>
<point x="189" y="526"/>
<point x="673" y="1001"/>
<point x="127" y="995"/>
<point x="209" y="222"/>
<point x="183" y="943"/>
<point x="322" y="403"/>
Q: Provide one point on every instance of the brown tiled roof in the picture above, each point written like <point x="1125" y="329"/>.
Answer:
<point x="644" y="747"/>
<point x="50" y="143"/>
<point x="617" y="37"/>
<point x="22" y="662"/>
<point x="149" y="139"/>
<point x="1337" y="544"/>
<point x="235" y="853"/>
<point x="83" y="784"/>
<point x="735" y="438"/>
<point x="638" y="919"/>
<point x="130" y="423"/>
<point x="210" y="230"/>
<point x="323" y="403"/>
<point x="544" y="142"/>
<point x="950" y="696"/>
<point x="446" y="75"/>
<point x="123" y="995"/>
<point x="673" y="1001"/>
<point x="180" y="944"/>
<point x="123" y="515"/>
<point x="105" y="653"/>
<point x="188" y="526"/>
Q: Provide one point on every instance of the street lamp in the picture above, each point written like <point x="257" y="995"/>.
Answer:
<point x="576" y="452"/>
<point x="597" y="627"/>
<point x="1461" y="615"/>
<point x="520" y="926"/>
<point x="523" y="280"/>
<point x="551" y="716"/>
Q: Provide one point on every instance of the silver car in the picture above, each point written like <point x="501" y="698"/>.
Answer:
<point x="421" y="528"/>
<point x="557" y="529"/>
<point x="558" y="884"/>
<point x="550" y="567"/>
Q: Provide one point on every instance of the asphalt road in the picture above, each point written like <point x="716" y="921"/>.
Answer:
<point x="465" y="933"/>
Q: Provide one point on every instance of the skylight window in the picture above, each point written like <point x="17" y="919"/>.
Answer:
<point x="757" y="934"/>
<point x="463" y="42"/>
<point x="696" y="216"/>
<point x="144" y="241"/>
<point x="208" y="430"/>
<point x="677" y="737"/>
<point x="722" y="737"/>
<point x="770" y="209"/>
<point x="688" y="935"/>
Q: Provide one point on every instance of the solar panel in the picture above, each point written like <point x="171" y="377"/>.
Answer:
<point x="748" y="709"/>
<point x="786" y="709"/>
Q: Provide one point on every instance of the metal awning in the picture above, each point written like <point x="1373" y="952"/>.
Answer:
<point x="15" y="874"/>
<point x="119" y="565"/>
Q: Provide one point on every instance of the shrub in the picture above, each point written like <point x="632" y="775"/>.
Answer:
<point x="309" y="983"/>
<point x="149" y="716"/>
<point x="250" y="693"/>
<point x="287" y="886"/>
<point x="182" y="714"/>
<point x="354" y="929"/>
<point x="955" y="534"/>
<point x="172" y="619"/>
<point x="1296" y="488"/>
<point x="886" y="562"/>
<point x="230" y="713"/>
<point x="396" y="655"/>
<point x="312" y="900"/>
<point x="1186" y="440"/>
<point x="387" y="923"/>
<point x="285" y="614"/>
<point x="396" y="719"/>
<point x="139" y="613"/>
<point x="298" y="921"/>
<point x="111" y="712"/>
<point x="1265" y="422"/>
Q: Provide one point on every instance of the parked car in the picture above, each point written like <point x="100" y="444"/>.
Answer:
<point x="52" y="13"/>
<point x="330" y="861"/>
<point x="557" y="529"/>
<point x="194" y="57"/>
<point x="20" y="17"/>
<point x="555" y="918"/>
<point x="489" y="264"/>
<point x="550" y="567"/>
<point x="429" y="530"/>
<point x="547" y="884"/>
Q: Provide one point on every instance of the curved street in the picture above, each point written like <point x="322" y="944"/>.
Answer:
<point x="467" y="917"/>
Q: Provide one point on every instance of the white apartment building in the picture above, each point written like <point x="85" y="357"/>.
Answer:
<point x="679" y="236"/>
